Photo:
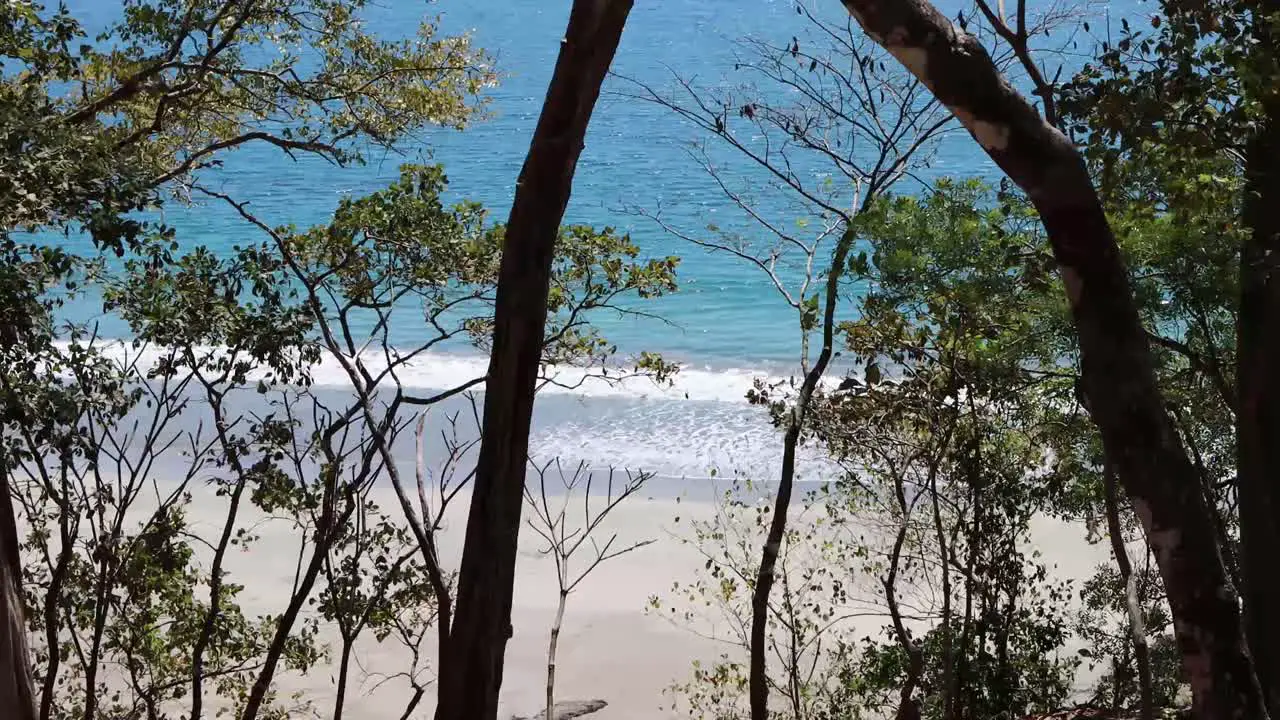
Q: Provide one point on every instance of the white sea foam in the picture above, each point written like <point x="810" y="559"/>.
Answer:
<point x="445" y="370"/>
<point x="699" y="426"/>
<point x="440" y="371"/>
<point x="676" y="439"/>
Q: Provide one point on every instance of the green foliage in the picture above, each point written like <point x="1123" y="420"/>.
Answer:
<point x="93" y="129"/>
<point x="1104" y="624"/>
<point x="284" y="300"/>
<point x="961" y="313"/>
<point x="110" y="449"/>
<point x="817" y="594"/>
<point x="965" y="424"/>
<point x="963" y="284"/>
<point x="946" y="441"/>
<point x="1009" y="659"/>
<point x="962" y="291"/>
<point x="120" y="591"/>
<point x="302" y="73"/>
<point x="1168" y="115"/>
<point x="1195" y="81"/>
<point x="962" y="305"/>
<point x="403" y="242"/>
<point x="258" y="320"/>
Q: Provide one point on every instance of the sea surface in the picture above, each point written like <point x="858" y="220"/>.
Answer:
<point x="727" y="325"/>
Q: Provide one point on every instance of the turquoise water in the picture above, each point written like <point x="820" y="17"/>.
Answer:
<point x="727" y="323"/>
<point x="636" y="157"/>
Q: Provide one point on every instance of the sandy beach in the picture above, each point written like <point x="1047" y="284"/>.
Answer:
<point x="611" y="647"/>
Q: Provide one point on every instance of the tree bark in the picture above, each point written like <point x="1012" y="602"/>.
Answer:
<point x="1137" y="625"/>
<point x="17" y="691"/>
<point x="758" y="680"/>
<point x="1139" y="438"/>
<point x="1258" y="421"/>
<point x="1258" y="424"/>
<point x="551" y="655"/>
<point x="471" y="673"/>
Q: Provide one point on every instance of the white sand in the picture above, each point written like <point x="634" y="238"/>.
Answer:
<point x="611" y="648"/>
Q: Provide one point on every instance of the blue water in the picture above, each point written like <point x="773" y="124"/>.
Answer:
<point x="725" y="316"/>
<point x="636" y="157"/>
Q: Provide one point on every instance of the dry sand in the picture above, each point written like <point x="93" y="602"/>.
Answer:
<point x="610" y="648"/>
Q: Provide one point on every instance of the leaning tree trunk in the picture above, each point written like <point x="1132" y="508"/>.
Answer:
<point x="1258" y="359"/>
<point x="1118" y="375"/>
<point x="471" y="671"/>
<point x="17" y="693"/>
<point x="1258" y="422"/>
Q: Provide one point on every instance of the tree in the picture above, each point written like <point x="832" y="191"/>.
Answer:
<point x="107" y="569"/>
<point x="402" y="245"/>
<point x="950" y="442"/>
<point x="168" y="88"/>
<point x="17" y="691"/>
<point x="471" y="673"/>
<point x="867" y="129"/>
<point x="942" y="465"/>
<point x="1176" y="218"/>
<point x="564" y="538"/>
<point x="1219" y="56"/>
<point x="147" y="121"/>
<point x="301" y="457"/>
<point x="863" y="130"/>
<point x="1118" y="377"/>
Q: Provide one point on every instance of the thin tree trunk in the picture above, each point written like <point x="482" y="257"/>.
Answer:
<point x="215" y="588"/>
<point x="1258" y="422"/>
<point x="53" y="595"/>
<point x="793" y="646"/>
<point x="551" y="655"/>
<point x="948" y="627"/>
<point x="424" y="532"/>
<point x="955" y="704"/>
<point x="344" y="676"/>
<point x="471" y="674"/>
<point x="1119" y="379"/>
<point x="17" y="692"/>
<point x="908" y="706"/>
<point x="326" y="532"/>
<point x="1137" y="626"/>
<point x="758" y="679"/>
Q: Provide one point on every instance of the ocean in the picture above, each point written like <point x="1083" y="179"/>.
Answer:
<point x="726" y="325"/>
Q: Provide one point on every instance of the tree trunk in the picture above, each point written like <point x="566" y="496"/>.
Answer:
<point x="1139" y="439"/>
<point x="471" y="673"/>
<point x="1137" y="625"/>
<point x="1258" y="424"/>
<point x="344" y="676"/>
<point x="1258" y="421"/>
<point x="17" y="693"/>
<point x="758" y="679"/>
<point x="551" y="655"/>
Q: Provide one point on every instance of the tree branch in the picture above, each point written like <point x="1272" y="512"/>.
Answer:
<point x="1118" y="373"/>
